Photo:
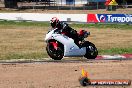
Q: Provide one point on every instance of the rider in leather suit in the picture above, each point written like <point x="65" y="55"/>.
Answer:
<point x="64" y="28"/>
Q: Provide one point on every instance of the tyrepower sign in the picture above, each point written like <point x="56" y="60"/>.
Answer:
<point x="109" y="18"/>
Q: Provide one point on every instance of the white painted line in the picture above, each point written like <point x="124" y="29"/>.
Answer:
<point x="112" y="56"/>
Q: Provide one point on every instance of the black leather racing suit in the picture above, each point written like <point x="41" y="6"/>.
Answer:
<point x="64" y="28"/>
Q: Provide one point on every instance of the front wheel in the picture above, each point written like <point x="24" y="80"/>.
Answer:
<point x="56" y="54"/>
<point x="91" y="50"/>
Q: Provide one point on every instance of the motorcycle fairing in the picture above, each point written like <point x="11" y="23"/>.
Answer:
<point x="70" y="48"/>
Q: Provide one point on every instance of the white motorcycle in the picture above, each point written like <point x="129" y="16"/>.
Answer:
<point x="60" y="45"/>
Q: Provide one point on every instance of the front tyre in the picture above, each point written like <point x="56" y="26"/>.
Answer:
<point x="53" y="53"/>
<point x="91" y="50"/>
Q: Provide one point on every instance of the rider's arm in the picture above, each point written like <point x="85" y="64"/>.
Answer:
<point x="68" y="29"/>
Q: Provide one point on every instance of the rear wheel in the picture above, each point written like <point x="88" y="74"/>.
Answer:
<point x="91" y="50"/>
<point x="56" y="54"/>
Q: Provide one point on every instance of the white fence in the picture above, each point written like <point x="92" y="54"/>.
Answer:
<point x="43" y="17"/>
<point x="82" y="18"/>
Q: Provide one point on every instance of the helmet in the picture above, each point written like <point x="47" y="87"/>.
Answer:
<point x="54" y="22"/>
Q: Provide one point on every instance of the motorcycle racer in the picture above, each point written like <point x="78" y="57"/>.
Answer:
<point x="59" y="46"/>
<point x="64" y="28"/>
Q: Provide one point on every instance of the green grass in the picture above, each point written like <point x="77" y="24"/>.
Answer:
<point x="22" y="23"/>
<point x="116" y="51"/>
<point x="41" y="55"/>
<point x="99" y="26"/>
<point x="46" y="24"/>
<point x="35" y="55"/>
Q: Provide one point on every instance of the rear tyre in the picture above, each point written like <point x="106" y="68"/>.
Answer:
<point x="53" y="53"/>
<point x="91" y="50"/>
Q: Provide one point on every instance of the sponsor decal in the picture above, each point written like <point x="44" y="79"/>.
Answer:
<point x="102" y="18"/>
<point x="109" y="18"/>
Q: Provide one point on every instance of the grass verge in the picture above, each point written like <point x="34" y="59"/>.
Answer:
<point x="23" y="23"/>
<point x="24" y="40"/>
<point x="35" y="55"/>
<point x="104" y="26"/>
<point x="113" y="51"/>
<point x="41" y="55"/>
<point x="46" y="24"/>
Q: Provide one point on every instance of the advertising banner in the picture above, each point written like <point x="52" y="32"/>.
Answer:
<point x="109" y="18"/>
